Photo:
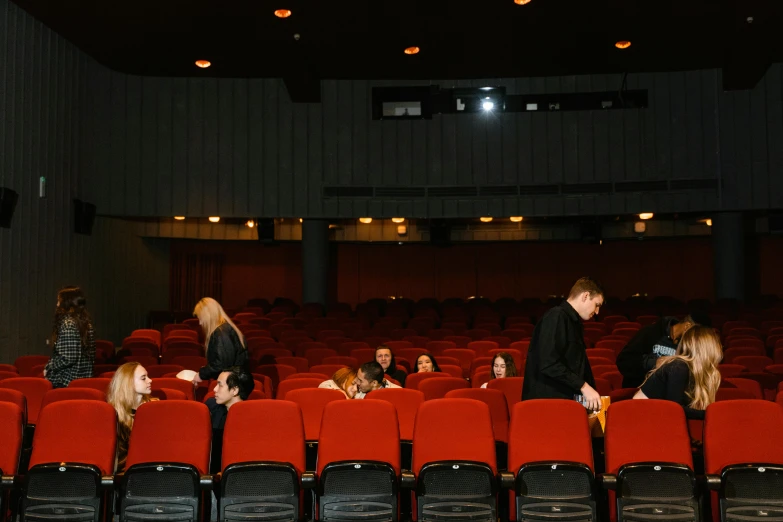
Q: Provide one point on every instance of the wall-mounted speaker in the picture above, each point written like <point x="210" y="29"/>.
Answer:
<point x="84" y="217"/>
<point x="440" y="232"/>
<point x="266" y="230"/>
<point x="8" y="199"/>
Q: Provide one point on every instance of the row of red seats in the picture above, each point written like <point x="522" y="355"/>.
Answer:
<point x="453" y="467"/>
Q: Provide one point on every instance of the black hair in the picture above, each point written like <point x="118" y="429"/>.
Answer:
<point x="241" y="379"/>
<point x="435" y="367"/>
<point x="372" y="371"/>
<point x="699" y="318"/>
<point x="393" y="364"/>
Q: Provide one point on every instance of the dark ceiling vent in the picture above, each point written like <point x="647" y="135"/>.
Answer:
<point x="348" y="192"/>
<point x="400" y="192"/>
<point x="586" y="188"/>
<point x="538" y="190"/>
<point x="498" y="190"/>
<point x="452" y="192"/>
<point x="693" y="184"/>
<point x="641" y="186"/>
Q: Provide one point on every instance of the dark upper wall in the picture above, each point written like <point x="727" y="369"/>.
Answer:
<point x="42" y="102"/>
<point x="166" y="146"/>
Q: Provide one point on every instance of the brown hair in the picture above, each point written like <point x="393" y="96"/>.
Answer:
<point x="511" y="367"/>
<point x="586" y="284"/>
<point x="72" y="304"/>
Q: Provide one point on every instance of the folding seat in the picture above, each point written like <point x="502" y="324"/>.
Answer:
<point x="301" y="364"/>
<point x="464" y="356"/>
<point x="34" y="389"/>
<point x="733" y="394"/>
<point x="181" y="349"/>
<point x="452" y="370"/>
<point x="480" y="363"/>
<point x="147" y="333"/>
<point x="245" y="316"/>
<point x="746" y="342"/>
<point x="168" y="394"/>
<point x="627" y="325"/>
<point x="312" y="402"/>
<point x="652" y="480"/>
<point x="394" y="346"/>
<point x="455" y="326"/>
<point x="754" y="363"/>
<point x="477" y="334"/>
<point x="515" y="320"/>
<point x="731" y="370"/>
<point x="479" y="378"/>
<point x="437" y="347"/>
<point x="9" y="368"/>
<point x="295" y="384"/>
<point x="95" y="383"/>
<point x="647" y="320"/>
<point x="71" y="394"/>
<point x="600" y="361"/>
<point x="616" y="345"/>
<point x="324" y="335"/>
<point x="166" y="463"/>
<point x="550" y="462"/>
<point x="25" y="364"/>
<point x="399" y="333"/>
<point x="749" y="385"/>
<point x="603" y="387"/>
<point x="348" y="347"/>
<point x="276" y="372"/>
<point x="309" y="375"/>
<point x="748" y="331"/>
<point x="610" y="321"/>
<point x="595" y="326"/>
<point x="482" y="348"/>
<point x="358" y="476"/>
<point x="511" y="388"/>
<point x="342" y="360"/>
<point x="176" y="329"/>
<point x="364" y="354"/>
<point x="144" y="360"/>
<point x="454" y="461"/>
<point x="622" y="394"/>
<point x="437" y="388"/>
<point x="104" y="350"/>
<point x="377" y="340"/>
<point x="606" y="353"/>
<point x="327" y="369"/>
<point x="599" y="370"/>
<point x="8" y="375"/>
<point x="413" y="380"/>
<point x="731" y="354"/>
<point x="267" y="349"/>
<point x="315" y="356"/>
<point x="615" y="379"/>
<point x="406" y="402"/>
<point x="257" y="334"/>
<point x="460" y="341"/>
<point x="175" y="384"/>
<point x="11" y="438"/>
<point x="743" y="459"/>
<point x="73" y="448"/>
<point x="409" y="354"/>
<point x="141" y="344"/>
<point x="498" y="411"/>
<point x="418" y="341"/>
<point x="159" y="370"/>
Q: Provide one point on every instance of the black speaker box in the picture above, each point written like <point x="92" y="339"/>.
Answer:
<point x="8" y="199"/>
<point x="440" y="232"/>
<point x="84" y="217"/>
<point x="266" y="230"/>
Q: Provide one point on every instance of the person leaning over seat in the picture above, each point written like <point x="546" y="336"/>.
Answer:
<point x="557" y="365"/>
<point x="370" y="378"/>
<point x="224" y="342"/>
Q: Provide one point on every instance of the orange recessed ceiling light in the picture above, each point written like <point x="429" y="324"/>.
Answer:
<point x="522" y="2"/>
<point x="283" y="13"/>
<point x="365" y="220"/>
<point x="486" y="219"/>
<point x="623" y="44"/>
<point x="214" y="219"/>
<point x="515" y="219"/>
<point x="412" y="50"/>
<point x="203" y="63"/>
<point x="179" y="218"/>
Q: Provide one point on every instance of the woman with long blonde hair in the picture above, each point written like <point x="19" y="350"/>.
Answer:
<point x="129" y="388"/>
<point x="690" y="377"/>
<point x="224" y="342"/>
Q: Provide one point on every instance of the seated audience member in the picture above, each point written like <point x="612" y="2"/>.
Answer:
<point x="385" y="357"/>
<point x="233" y="385"/>
<point x="224" y="342"/>
<point x="651" y="342"/>
<point x="370" y="378"/>
<point x="342" y="380"/>
<point x="503" y="366"/>
<point x="691" y="377"/>
<point x="73" y="339"/>
<point x="426" y="363"/>
<point x="130" y="387"/>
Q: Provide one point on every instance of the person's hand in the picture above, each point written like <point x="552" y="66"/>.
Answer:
<point x="592" y="398"/>
<point x="196" y="380"/>
<point x="44" y="372"/>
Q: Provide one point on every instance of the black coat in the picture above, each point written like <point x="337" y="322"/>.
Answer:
<point x="225" y="350"/>
<point x="642" y="351"/>
<point x="557" y="365"/>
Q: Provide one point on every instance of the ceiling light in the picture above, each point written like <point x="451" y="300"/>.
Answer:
<point x="250" y="223"/>
<point x="487" y="105"/>
<point x="179" y="218"/>
<point x="300" y="220"/>
<point x="522" y="2"/>
<point x="365" y="220"/>
<point x="283" y="13"/>
<point x="214" y="219"/>
<point x="398" y="220"/>
<point x="515" y="219"/>
<point x="708" y="222"/>
<point x="203" y="63"/>
<point x="646" y="215"/>
<point x="486" y="219"/>
<point x="623" y="44"/>
<point x="412" y="50"/>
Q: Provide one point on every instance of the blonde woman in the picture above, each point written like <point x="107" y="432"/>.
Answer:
<point x="129" y="388"/>
<point x="224" y="343"/>
<point x="691" y="377"/>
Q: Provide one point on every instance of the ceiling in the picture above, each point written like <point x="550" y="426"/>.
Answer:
<point x="364" y="39"/>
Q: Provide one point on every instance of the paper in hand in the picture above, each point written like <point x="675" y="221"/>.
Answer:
<point x="187" y="375"/>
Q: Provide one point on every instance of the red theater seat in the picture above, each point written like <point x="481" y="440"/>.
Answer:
<point x="34" y="389"/>
<point x="406" y="402"/>
<point x="498" y="408"/>
<point x="17" y="398"/>
<point x="71" y="394"/>
<point x="511" y="388"/>
<point x="173" y="383"/>
<point x="12" y="421"/>
<point x="289" y="385"/>
<point x="438" y="388"/>
<point x="95" y="383"/>
<point x="252" y="452"/>
<point x="312" y="402"/>
<point x="26" y="363"/>
<point x="412" y="381"/>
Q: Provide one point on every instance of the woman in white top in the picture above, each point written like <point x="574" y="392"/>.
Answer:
<point x="503" y="366"/>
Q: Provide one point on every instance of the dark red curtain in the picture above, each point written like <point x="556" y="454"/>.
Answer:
<point x="194" y="276"/>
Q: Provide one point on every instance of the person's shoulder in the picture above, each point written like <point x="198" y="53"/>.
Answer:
<point x="676" y="367"/>
<point x="67" y="322"/>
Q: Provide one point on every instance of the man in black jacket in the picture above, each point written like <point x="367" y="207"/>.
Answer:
<point x="651" y="342"/>
<point x="557" y="365"/>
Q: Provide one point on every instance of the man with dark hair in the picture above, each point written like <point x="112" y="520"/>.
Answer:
<point x="370" y="378"/>
<point x="233" y="386"/>
<point x="557" y="365"/>
<point x="651" y="342"/>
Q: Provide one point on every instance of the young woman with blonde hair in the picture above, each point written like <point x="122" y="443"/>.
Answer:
<point x="224" y="342"/>
<point x="690" y="377"/>
<point x="129" y="388"/>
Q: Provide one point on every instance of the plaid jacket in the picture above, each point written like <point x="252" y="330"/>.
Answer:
<point x="69" y="359"/>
